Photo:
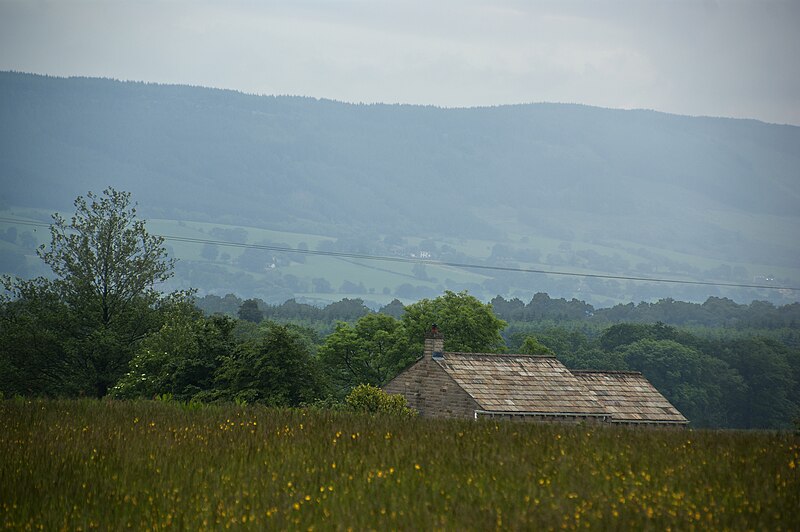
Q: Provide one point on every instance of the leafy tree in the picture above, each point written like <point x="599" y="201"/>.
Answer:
<point x="179" y="359"/>
<point x="595" y="358"/>
<point x="346" y="309"/>
<point x="627" y="333"/>
<point x="395" y="309"/>
<point x="769" y="399"/>
<point x="531" y="346"/>
<point x="467" y="324"/>
<point x="508" y="310"/>
<point x="34" y="359"/>
<point x="697" y="384"/>
<point x="278" y="370"/>
<point x="249" y="311"/>
<point x="321" y="286"/>
<point x="105" y="260"/>
<point x="106" y="266"/>
<point x="371" y="352"/>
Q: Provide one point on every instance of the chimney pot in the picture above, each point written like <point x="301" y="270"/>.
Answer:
<point x="434" y="343"/>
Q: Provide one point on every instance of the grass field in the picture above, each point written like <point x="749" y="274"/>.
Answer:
<point x="85" y="464"/>
<point x="381" y="280"/>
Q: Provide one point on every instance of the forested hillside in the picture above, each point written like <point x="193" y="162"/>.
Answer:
<point x="547" y="186"/>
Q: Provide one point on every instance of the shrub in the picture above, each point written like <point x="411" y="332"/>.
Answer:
<point x="373" y="400"/>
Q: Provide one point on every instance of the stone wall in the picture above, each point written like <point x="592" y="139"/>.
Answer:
<point x="431" y="391"/>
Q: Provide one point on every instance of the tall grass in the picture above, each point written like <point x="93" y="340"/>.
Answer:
<point x="87" y="464"/>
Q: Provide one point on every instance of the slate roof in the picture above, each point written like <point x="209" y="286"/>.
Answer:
<point x="629" y="397"/>
<point x="521" y="384"/>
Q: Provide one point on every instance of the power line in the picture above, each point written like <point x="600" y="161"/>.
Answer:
<point x="410" y="260"/>
<point x="384" y="258"/>
<point x="19" y="221"/>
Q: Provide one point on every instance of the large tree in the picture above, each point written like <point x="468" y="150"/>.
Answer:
<point x="105" y="260"/>
<point x="371" y="352"/>
<point x="467" y="324"/>
<point x="181" y="358"/>
<point x="277" y="370"/>
<point x="699" y="385"/>
<point x="106" y="267"/>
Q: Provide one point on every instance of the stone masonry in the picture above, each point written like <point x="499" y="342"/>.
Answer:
<point x="429" y="389"/>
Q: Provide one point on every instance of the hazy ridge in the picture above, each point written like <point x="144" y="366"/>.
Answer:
<point x="632" y="182"/>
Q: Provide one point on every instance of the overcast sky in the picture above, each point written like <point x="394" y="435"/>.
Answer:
<point x="717" y="58"/>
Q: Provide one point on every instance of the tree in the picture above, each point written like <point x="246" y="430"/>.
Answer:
<point x="768" y="372"/>
<point x="624" y="334"/>
<point x="371" y="352"/>
<point x="106" y="267"/>
<point x="277" y="370"/>
<point x="531" y="346"/>
<point x="467" y="324"/>
<point x="395" y="309"/>
<point x="34" y="321"/>
<point x="181" y="358"/>
<point x="700" y="386"/>
<point x="105" y="259"/>
<point x="210" y="252"/>
<point x="249" y="311"/>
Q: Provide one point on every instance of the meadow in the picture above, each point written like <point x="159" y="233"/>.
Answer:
<point x="381" y="280"/>
<point x="84" y="464"/>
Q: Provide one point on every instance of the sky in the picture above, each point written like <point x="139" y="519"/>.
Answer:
<point x="711" y="58"/>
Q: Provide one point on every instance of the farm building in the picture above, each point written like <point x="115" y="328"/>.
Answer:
<point x="526" y="387"/>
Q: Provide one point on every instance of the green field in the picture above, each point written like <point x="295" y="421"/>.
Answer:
<point x="78" y="465"/>
<point x="382" y="280"/>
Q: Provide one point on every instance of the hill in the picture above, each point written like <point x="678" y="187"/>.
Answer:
<point x="553" y="186"/>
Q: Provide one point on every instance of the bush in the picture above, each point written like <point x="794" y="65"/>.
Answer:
<point x="373" y="400"/>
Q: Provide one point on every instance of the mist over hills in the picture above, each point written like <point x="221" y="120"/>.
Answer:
<point x="661" y="193"/>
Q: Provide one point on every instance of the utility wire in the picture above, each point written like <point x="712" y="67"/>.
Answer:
<point x="409" y="260"/>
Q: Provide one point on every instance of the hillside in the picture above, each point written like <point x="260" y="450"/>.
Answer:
<point x="551" y="186"/>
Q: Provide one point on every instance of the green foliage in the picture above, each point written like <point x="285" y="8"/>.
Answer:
<point x="180" y="359"/>
<point x="145" y="465"/>
<point x="278" y="370"/>
<point x="771" y="397"/>
<point x="370" y="352"/>
<point x="467" y="324"/>
<point x="102" y="302"/>
<point x="531" y="346"/>
<point x="249" y="311"/>
<point x="627" y="333"/>
<point x="35" y="328"/>
<point x="106" y="262"/>
<point x="697" y="384"/>
<point x="373" y="400"/>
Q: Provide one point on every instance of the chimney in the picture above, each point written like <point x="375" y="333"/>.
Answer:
<point x="434" y="343"/>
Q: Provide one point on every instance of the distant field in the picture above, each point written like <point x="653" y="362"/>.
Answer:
<point x="85" y="464"/>
<point x="382" y="281"/>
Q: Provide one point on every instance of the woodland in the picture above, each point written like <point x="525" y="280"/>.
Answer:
<point x="100" y="327"/>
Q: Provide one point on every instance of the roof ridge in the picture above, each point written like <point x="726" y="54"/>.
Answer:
<point x="606" y="372"/>
<point x="504" y="355"/>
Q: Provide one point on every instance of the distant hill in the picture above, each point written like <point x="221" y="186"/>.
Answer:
<point x="649" y="187"/>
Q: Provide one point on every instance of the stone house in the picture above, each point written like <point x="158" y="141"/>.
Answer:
<point x="526" y="387"/>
